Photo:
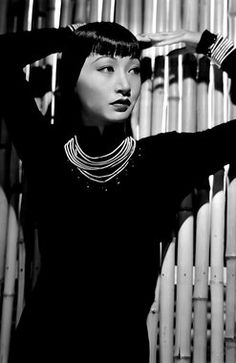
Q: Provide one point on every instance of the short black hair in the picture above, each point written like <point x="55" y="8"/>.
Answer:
<point x="110" y="39"/>
<point x="105" y="38"/>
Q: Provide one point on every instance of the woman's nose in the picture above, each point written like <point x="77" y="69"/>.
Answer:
<point x="123" y="84"/>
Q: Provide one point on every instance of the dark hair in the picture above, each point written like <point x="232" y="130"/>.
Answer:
<point x="110" y="39"/>
<point x="105" y="38"/>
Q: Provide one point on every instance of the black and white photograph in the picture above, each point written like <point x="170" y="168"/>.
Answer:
<point x="117" y="181"/>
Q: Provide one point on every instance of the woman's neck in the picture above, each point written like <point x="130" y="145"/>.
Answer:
<point x="96" y="140"/>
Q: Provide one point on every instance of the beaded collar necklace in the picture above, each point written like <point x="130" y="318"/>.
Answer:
<point x="101" y="168"/>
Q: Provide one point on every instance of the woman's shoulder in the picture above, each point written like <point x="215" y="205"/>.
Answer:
<point x="158" y="140"/>
<point x="158" y="148"/>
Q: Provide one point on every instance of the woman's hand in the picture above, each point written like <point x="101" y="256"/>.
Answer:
<point x="188" y="40"/>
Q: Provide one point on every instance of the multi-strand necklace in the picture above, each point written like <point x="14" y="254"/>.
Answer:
<point x="101" y="168"/>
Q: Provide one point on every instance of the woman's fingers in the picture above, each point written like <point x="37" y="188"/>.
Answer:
<point x="169" y="42"/>
<point x="143" y="38"/>
<point x="168" y="38"/>
<point x="187" y="41"/>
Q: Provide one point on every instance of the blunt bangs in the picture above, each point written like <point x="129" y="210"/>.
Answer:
<point x="105" y="46"/>
<point x="110" y="39"/>
<point x="105" y="38"/>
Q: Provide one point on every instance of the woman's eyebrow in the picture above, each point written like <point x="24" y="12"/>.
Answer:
<point x="102" y="57"/>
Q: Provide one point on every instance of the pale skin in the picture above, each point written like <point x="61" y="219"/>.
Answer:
<point x="187" y="39"/>
<point x="108" y="87"/>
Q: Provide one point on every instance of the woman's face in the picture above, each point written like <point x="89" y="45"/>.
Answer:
<point x="108" y="88"/>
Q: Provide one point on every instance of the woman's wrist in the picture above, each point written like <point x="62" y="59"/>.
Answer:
<point x="206" y="41"/>
<point x="215" y="46"/>
<point x="220" y="49"/>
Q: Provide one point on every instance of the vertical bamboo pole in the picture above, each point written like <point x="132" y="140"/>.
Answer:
<point x="184" y="283"/>
<point x="230" y="334"/>
<point x="39" y="20"/>
<point x="173" y="95"/>
<point x="167" y="291"/>
<point x="9" y="283"/>
<point x="189" y="120"/>
<point x="21" y="276"/>
<point x="81" y="11"/>
<point x="27" y="25"/>
<point x="122" y="12"/>
<point x="152" y="324"/>
<point x="135" y="16"/>
<point x="146" y="64"/>
<point x="10" y="260"/>
<point x="53" y="20"/>
<point x="203" y="211"/>
<point x="16" y="181"/>
<point x="218" y="13"/>
<point x="135" y="26"/>
<point x="201" y="278"/>
<point x="108" y="10"/>
<point x="232" y="36"/>
<point x="202" y="93"/>
<point x="174" y="65"/>
<point x="3" y="16"/>
<point x="174" y="15"/>
<point x="95" y="11"/>
<point x="204" y="15"/>
<point x="161" y="15"/>
<point x="165" y="88"/>
<point x="202" y="230"/>
<point x="28" y="14"/>
<point x="66" y="13"/>
<point x="43" y="20"/>
<point x="217" y="250"/>
<point x="158" y="96"/>
<point x="161" y="73"/>
<point x="190" y="15"/>
<point x="171" y="12"/>
<point x="186" y="219"/>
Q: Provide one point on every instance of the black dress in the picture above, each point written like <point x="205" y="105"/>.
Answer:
<point x="99" y="244"/>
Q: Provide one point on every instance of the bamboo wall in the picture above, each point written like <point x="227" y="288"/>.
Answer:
<point x="193" y="316"/>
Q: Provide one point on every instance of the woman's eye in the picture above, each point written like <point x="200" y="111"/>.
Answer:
<point x="107" y="69"/>
<point x="135" y="70"/>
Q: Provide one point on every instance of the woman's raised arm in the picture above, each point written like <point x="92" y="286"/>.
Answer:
<point x="25" y="122"/>
<point x="218" y="48"/>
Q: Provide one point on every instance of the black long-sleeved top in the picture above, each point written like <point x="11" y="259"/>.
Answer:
<point x="98" y="245"/>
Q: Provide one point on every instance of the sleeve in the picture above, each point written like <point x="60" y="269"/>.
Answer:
<point x="220" y="50"/>
<point x="201" y="154"/>
<point x="24" y="121"/>
<point x="189" y="158"/>
<point x="205" y="152"/>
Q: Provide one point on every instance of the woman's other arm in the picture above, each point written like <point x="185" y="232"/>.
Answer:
<point x="24" y="121"/>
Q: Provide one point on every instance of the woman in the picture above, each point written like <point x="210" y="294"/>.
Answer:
<point x="102" y="200"/>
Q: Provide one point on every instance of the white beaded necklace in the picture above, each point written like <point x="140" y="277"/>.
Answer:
<point x="104" y="167"/>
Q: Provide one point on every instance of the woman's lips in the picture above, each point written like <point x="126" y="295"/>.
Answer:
<point x="121" y="104"/>
<point x="120" y="107"/>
